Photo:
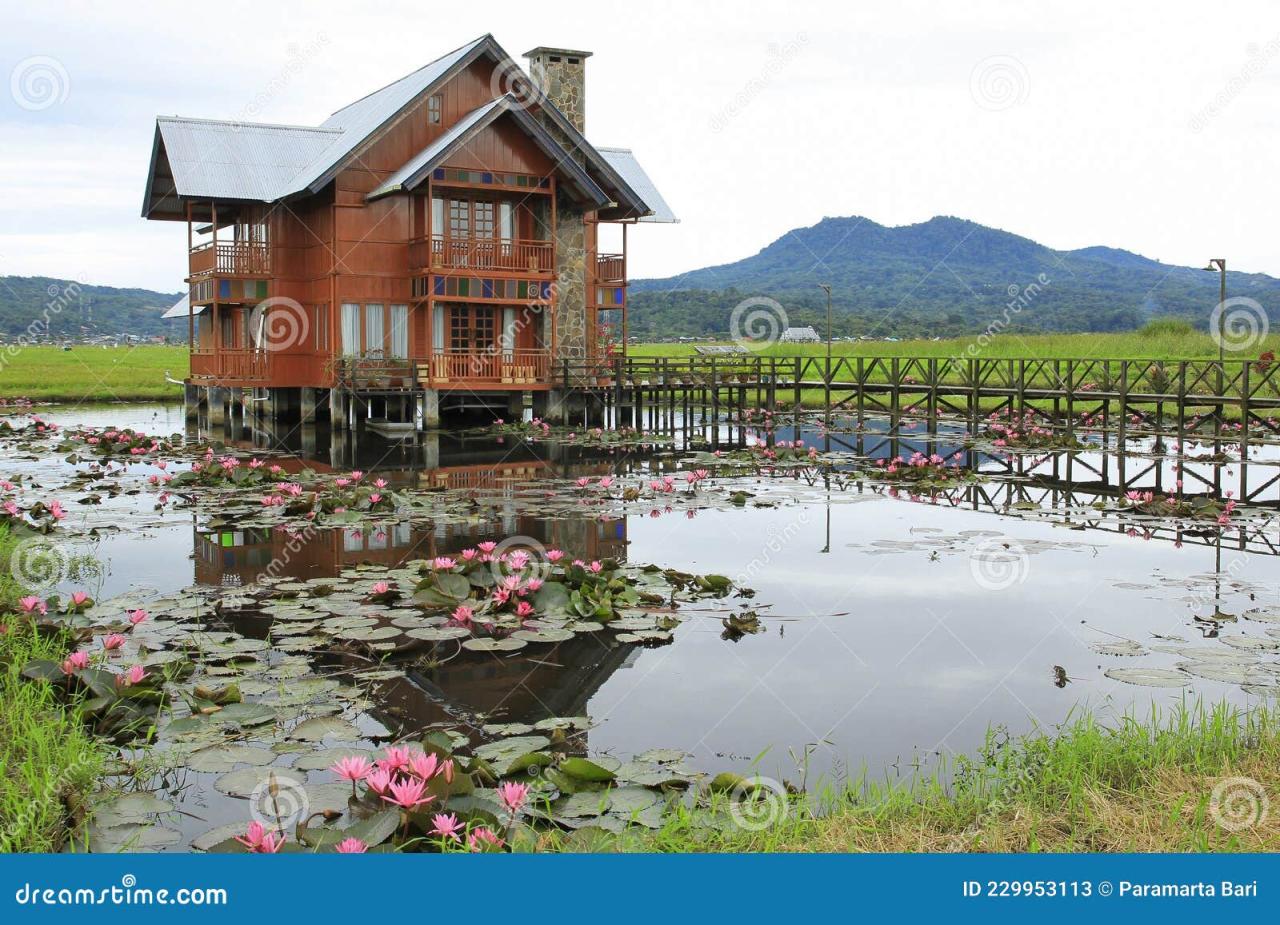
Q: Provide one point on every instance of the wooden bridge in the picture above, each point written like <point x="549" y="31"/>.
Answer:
<point x="1171" y="397"/>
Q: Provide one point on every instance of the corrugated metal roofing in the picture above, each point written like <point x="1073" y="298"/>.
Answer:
<point x="238" y="160"/>
<point x="258" y="162"/>
<point x="624" y="162"/>
<point x="182" y="308"/>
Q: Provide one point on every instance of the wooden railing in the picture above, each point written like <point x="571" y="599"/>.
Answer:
<point x="230" y="260"/>
<point x="448" y="369"/>
<point x="247" y="365"/>
<point x="611" y="268"/>
<point x="512" y="254"/>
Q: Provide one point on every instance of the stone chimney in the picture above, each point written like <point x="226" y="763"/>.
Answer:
<point x="561" y="74"/>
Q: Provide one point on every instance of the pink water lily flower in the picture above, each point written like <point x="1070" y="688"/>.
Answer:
<point x="112" y="642"/>
<point x="423" y="765"/>
<point x="396" y="757"/>
<point x="138" y="616"/>
<point x="524" y="609"/>
<point x="408" y="793"/>
<point x="352" y="767"/>
<point x="554" y="555"/>
<point x="378" y="779"/>
<point x="351" y="846"/>
<point x="381" y="587"/>
<point x="33" y="604"/>
<point x="258" y="840"/>
<point x="133" y="676"/>
<point x="446" y="825"/>
<point x="79" y="598"/>
<point x="513" y="795"/>
<point x="483" y="838"/>
<point x="444" y="564"/>
<point x="75" y="662"/>
<point x="487" y="546"/>
<point x="463" y="613"/>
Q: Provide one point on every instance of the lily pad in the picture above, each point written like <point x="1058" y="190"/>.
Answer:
<point x="1149" y="677"/>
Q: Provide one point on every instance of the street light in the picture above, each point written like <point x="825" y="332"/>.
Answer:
<point x="1220" y="264"/>
<point x="826" y="287"/>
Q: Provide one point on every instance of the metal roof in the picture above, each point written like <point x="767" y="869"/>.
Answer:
<point x="182" y="308"/>
<point x="238" y="160"/>
<point x="212" y="159"/>
<point x="624" y="162"/>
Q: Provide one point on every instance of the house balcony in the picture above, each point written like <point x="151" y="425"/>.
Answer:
<point x="609" y="288"/>
<point x="504" y="255"/>
<point x="231" y="365"/>
<point x="473" y="370"/>
<point x="230" y="260"/>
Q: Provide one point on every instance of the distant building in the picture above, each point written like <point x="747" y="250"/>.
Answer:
<point x="800" y="336"/>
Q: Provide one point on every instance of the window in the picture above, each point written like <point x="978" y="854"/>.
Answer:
<point x="471" y="327"/>
<point x="435" y="105"/>
<point x="484" y="220"/>
<point x="350" y="329"/>
<point x="374" y="330"/>
<point x="321" y="324"/>
<point x="399" y="344"/>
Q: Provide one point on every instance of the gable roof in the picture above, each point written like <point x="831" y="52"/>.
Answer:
<point x="265" y="163"/>
<point x="413" y="173"/>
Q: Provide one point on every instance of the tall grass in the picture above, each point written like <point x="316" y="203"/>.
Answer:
<point x="1145" y="783"/>
<point x="48" y="761"/>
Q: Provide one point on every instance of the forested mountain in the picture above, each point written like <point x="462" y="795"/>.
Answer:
<point x="941" y="277"/>
<point x="36" y="305"/>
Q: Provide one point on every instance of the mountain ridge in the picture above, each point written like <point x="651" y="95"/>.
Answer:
<point x="943" y="276"/>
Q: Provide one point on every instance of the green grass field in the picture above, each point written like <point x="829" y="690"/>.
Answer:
<point x="87" y="373"/>
<point x="137" y="373"/>
<point x="1132" y="345"/>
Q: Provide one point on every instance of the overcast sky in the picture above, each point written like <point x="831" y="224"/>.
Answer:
<point x="1152" y="127"/>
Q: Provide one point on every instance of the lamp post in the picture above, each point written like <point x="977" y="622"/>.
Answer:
<point x="1220" y="264"/>
<point x="826" y="414"/>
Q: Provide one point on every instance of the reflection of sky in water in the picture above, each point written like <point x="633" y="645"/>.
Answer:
<point x="880" y="650"/>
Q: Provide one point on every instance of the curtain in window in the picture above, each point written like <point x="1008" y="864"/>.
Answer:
<point x="375" y="343"/>
<point x="508" y="333"/>
<point x="350" y="329"/>
<point x="437" y="330"/>
<point x="399" y="348"/>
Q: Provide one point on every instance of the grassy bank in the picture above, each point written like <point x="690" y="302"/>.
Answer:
<point x="1139" y="785"/>
<point x="1155" y="345"/>
<point x="87" y="373"/>
<point x="48" y="762"/>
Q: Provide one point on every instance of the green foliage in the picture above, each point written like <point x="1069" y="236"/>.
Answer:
<point x="40" y="305"/>
<point x="1167" y="327"/>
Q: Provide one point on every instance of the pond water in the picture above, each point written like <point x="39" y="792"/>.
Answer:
<point x="893" y="629"/>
